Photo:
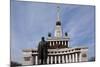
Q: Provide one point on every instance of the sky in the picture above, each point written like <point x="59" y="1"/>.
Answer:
<point x="32" y="20"/>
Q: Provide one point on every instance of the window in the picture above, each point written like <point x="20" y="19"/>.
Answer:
<point x="27" y="58"/>
<point x="84" y="55"/>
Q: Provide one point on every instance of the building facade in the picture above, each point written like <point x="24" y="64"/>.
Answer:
<point x="58" y="50"/>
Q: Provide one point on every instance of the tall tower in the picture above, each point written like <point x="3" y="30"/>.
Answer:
<point x="58" y="41"/>
<point x="58" y="29"/>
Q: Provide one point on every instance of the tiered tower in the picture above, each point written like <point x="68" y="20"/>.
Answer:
<point x="58" y="29"/>
<point x="58" y="41"/>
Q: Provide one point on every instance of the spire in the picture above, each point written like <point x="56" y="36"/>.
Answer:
<point x="58" y="15"/>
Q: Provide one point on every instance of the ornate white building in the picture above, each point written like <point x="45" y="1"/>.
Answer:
<point x="59" y="50"/>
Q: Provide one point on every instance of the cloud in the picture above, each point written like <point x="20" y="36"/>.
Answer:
<point x="81" y="28"/>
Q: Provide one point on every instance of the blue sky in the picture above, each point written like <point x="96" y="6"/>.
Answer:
<point x="30" y="21"/>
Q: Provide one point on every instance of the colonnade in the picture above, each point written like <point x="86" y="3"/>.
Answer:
<point x="57" y="59"/>
<point x="52" y="43"/>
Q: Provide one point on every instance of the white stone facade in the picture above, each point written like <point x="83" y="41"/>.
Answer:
<point x="56" y="56"/>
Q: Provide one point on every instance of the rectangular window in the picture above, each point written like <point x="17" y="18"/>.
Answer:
<point x="27" y="58"/>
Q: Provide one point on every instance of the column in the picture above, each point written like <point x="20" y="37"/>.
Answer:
<point x="51" y="60"/>
<point x="66" y="59"/>
<point x="48" y="60"/>
<point x="36" y="60"/>
<point x="69" y="57"/>
<point x="59" y="59"/>
<point x="65" y="43"/>
<point x="73" y="57"/>
<point x="62" y="42"/>
<point x="80" y="57"/>
<point x="59" y="42"/>
<point x="56" y="43"/>
<point x="53" y="43"/>
<point x="63" y="59"/>
<point x="50" y="43"/>
<point x="55" y="59"/>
